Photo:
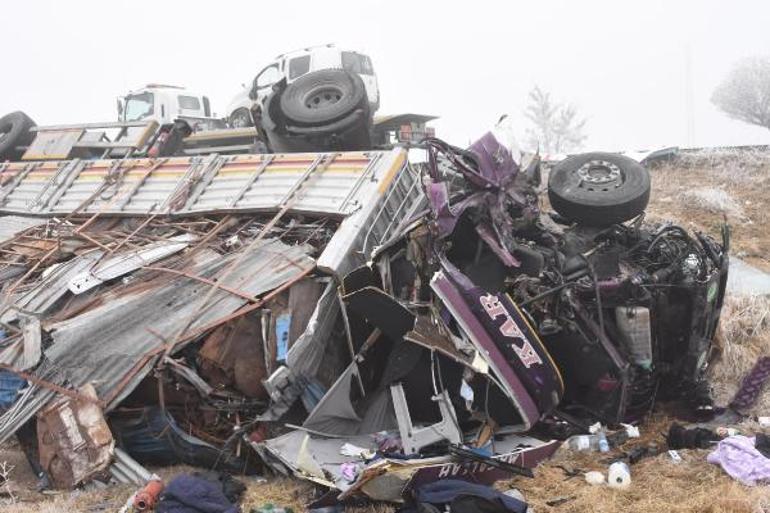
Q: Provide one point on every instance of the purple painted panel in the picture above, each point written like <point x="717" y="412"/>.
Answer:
<point x="453" y="300"/>
<point x="481" y="473"/>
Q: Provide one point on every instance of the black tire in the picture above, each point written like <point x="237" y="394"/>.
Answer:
<point x="322" y="97"/>
<point x="599" y="189"/>
<point x="240" y="118"/>
<point x="14" y="131"/>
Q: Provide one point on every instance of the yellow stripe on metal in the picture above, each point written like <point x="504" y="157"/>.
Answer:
<point x="391" y="174"/>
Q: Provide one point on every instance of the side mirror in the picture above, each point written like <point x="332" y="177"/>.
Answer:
<point x="253" y="90"/>
<point x="120" y="108"/>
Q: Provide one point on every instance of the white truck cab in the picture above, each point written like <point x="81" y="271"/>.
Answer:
<point x="291" y="66"/>
<point x="165" y="103"/>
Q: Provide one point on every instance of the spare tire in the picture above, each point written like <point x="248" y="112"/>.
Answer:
<point x="322" y="97"/>
<point x="599" y="189"/>
<point x="14" y="131"/>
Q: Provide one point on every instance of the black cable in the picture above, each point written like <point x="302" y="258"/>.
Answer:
<point x="546" y="293"/>
<point x="598" y="296"/>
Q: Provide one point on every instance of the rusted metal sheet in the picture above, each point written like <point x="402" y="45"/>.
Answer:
<point x="233" y="356"/>
<point x="59" y="142"/>
<point x="74" y="440"/>
<point x="53" y="144"/>
<point x="103" y="344"/>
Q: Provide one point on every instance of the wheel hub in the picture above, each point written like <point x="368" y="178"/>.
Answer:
<point x="599" y="173"/>
<point x="240" y="120"/>
<point x="323" y="98"/>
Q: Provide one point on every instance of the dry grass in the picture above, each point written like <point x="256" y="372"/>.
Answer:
<point x="698" y="189"/>
<point x="744" y="336"/>
<point x="658" y="485"/>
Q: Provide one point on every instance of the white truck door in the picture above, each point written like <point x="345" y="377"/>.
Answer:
<point x="189" y="106"/>
<point x="264" y="80"/>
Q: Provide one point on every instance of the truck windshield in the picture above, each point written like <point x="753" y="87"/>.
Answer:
<point x="357" y="63"/>
<point x="139" y="106"/>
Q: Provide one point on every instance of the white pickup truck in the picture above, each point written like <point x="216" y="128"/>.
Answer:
<point x="167" y="103"/>
<point x="321" y="95"/>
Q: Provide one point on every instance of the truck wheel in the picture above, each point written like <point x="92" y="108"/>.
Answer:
<point x="322" y="97"/>
<point x="14" y="131"/>
<point x="599" y="189"/>
<point x="240" y="119"/>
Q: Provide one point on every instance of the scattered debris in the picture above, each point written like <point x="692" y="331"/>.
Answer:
<point x="594" y="478"/>
<point x="739" y="457"/>
<point x="386" y="330"/>
<point x="619" y="475"/>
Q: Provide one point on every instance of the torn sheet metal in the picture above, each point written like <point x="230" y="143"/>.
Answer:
<point x="192" y="377"/>
<point x="233" y="356"/>
<point x="124" y="263"/>
<point x="32" y="342"/>
<point x="127" y="470"/>
<point x="23" y="350"/>
<point x="12" y="352"/>
<point x="74" y="439"/>
<point x="115" y="343"/>
<point x="523" y="451"/>
<point x="53" y="287"/>
<point x="10" y="226"/>
<point x="152" y="437"/>
<point x="303" y="360"/>
<point x="335" y="413"/>
<point x="390" y="203"/>
<point x="322" y="459"/>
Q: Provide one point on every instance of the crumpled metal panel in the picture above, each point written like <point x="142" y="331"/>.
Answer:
<point x="320" y="459"/>
<point x="115" y="343"/>
<point x="391" y="200"/>
<point x="126" y="262"/>
<point x="55" y="284"/>
<point x="74" y="439"/>
<point x="12" y="225"/>
<point x="344" y="183"/>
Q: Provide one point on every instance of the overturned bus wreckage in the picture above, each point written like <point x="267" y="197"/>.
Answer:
<point x="485" y="323"/>
<point x="353" y="319"/>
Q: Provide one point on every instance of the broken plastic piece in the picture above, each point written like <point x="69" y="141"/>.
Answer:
<point x="413" y="439"/>
<point x="619" y="475"/>
<point x="349" y="449"/>
<point x="594" y="478"/>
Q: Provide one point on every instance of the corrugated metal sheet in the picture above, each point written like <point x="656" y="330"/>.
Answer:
<point x="12" y="225"/>
<point x="50" y="289"/>
<point x="184" y="185"/>
<point x="111" y="345"/>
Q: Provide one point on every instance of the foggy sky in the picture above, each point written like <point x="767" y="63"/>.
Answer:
<point x="621" y="63"/>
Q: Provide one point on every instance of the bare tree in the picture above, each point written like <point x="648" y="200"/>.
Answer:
<point x="745" y="93"/>
<point x="5" y="483"/>
<point x="556" y="127"/>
